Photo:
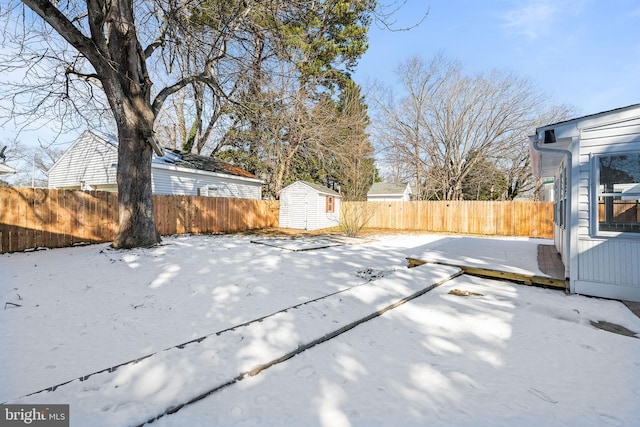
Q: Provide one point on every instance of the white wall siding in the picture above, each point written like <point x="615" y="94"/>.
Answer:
<point x="90" y="160"/>
<point x="323" y="218"/>
<point x="620" y="132"/>
<point x="583" y="197"/>
<point x="284" y="212"/>
<point x="187" y="183"/>
<point x="609" y="268"/>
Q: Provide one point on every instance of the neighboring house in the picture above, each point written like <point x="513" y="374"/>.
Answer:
<point x="6" y="170"/>
<point x="546" y="192"/>
<point x="308" y="206"/>
<point x="91" y="163"/>
<point x="389" y="192"/>
<point x="595" y="163"/>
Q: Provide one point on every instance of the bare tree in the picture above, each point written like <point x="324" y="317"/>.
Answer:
<point x="31" y="162"/>
<point x="447" y="123"/>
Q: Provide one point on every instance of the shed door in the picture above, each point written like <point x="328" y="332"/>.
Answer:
<point x="298" y="204"/>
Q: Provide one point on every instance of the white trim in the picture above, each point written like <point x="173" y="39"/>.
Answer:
<point x="206" y="173"/>
<point x="574" y="214"/>
<point x="595" y="190"/>
<point x="607" y="290"/>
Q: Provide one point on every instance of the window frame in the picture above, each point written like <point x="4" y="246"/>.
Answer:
<point x="330" y="204"/>
<point x="597" y="193"/>
<point x="560" y="198"/>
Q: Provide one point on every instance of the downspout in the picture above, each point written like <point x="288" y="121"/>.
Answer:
<point x="567" y="220"/>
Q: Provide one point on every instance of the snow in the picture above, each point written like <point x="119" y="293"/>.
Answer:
<point x="343" y="335"/>
<point x="510" y="255"/>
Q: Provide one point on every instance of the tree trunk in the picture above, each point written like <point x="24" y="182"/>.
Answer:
<point x="135" y="198"/>
<point x="128" y="89"/>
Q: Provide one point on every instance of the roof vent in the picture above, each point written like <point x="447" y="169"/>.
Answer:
<point x="549" y="136"/>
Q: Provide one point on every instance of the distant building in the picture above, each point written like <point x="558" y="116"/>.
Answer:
<point x="92" y="160"/>
<point x="6" y="170"/>
<point x="389" y="192"/>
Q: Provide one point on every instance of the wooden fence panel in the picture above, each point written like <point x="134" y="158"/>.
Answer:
<point x="31" y="218"/>
<point x="529" y="219"/>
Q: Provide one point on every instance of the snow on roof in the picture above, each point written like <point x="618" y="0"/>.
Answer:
<point x="187" y="160"/>
<point x="205" y="163"/>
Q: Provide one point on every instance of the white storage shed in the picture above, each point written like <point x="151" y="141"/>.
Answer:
<point x="595" y="163"/>
<point x="307" y="206"/>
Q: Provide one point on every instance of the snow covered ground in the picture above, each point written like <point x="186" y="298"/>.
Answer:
<point x="510" y="355"/>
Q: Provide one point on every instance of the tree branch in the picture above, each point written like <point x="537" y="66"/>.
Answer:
<point x="52" y="16"/>
<point x="162" y="96"/>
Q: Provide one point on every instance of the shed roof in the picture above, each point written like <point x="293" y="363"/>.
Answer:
<point x="387" y="188"/>
<point x="317" y="187"/>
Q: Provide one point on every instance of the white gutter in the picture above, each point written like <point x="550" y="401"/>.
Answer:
<point x="535" y="140"/>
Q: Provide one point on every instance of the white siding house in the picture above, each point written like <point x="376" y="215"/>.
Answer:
<point x="389" y="192"/>
<point x="88" y="164"/>
<point x="595" y="163"/>
<point x="308" y="206"/>
<point x="91" y="163"/>
<point x="6" y="170"/>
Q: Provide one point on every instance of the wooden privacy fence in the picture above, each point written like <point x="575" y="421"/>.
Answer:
<point x="530" y="219"/>
<point x="31" y="218"/>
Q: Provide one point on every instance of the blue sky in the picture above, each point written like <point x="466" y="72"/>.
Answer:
<point x="584" y="53"/>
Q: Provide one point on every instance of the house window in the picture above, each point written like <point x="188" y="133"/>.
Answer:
<point x="619" y="192"/>
<point x="560" y="197"/>
<point x="330" y="204"/>
<point x="208" y="191"/>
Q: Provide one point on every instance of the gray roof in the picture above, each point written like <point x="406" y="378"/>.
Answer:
<point x="321" y="188"/>
<point x="194" y="161"/>
<point x="187" y="160"/>
<point x="386" y="188"/>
